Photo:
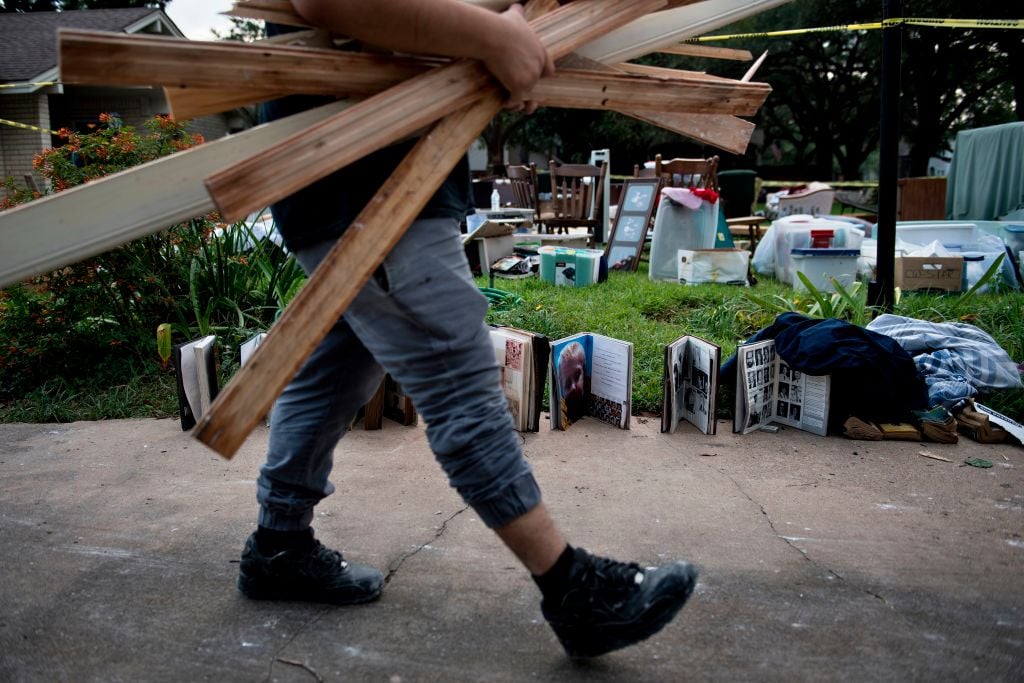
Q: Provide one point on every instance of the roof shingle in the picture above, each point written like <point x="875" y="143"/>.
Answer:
<point x="28" y="41"/>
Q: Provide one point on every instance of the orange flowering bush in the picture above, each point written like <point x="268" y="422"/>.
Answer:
<point x="113" y="146"/>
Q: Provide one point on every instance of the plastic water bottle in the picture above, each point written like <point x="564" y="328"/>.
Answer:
<point x="495" y="200"/>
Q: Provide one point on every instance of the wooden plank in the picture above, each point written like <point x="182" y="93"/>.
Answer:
<point x="662" y="29"/>
<point x="192" y="103"/>
<point x="708" y="52"/>
<point x="567" y="89"/>
<point x="400" y="111"/>
<point x="66" y="227"/>
<point x="695" y="93"/>
<point x="724" y="132"/>
<point x="111" y="59"/>
<point x="662" y="72"/>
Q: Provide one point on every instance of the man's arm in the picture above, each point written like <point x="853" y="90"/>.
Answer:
<point x="504" y="41"/>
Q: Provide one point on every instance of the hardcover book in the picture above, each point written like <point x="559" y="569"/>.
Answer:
<point x="769" y="390"/>
<point x="691" y="384"/>
<point x="591" y="375"/>
<point x="195" y="365"/>
<point x="523" y="360"/>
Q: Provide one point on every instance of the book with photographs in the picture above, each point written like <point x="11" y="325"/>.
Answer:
<point x="769" y="390"/>
<point x="195" y="365"/>
<point x="591" y="375"/>
<point x="523" y="360"/>
<point x="249" y="346"/>
<point x="691" y="384"/>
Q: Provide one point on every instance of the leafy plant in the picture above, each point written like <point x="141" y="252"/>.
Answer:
<point x="94" y="320"/>
<point x="848" y="304"/>
<point x="978" y="286"/>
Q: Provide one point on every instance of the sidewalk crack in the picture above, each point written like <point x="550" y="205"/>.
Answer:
<point x="397" y="564"/>
<point x="787" y="541"/>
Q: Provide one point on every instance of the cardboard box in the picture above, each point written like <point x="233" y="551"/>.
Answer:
<point x="943" y="273"/>
<point x="722" y="266"/>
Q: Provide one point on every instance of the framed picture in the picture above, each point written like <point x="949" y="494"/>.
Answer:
<point x="632" y="219"/>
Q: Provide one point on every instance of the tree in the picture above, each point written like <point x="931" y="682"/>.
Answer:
<point x="824" y="110"/>
<point x="243" y="31"/>
<point x="954" y="79"/>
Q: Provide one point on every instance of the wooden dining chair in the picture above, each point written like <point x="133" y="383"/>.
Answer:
<point x="577" y="197"/>
<point x="523" y="180"/>
<point x="647" y="172"/>
<point x="690" y="173"/>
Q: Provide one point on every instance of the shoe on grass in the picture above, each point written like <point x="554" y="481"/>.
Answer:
<point x="608" y="605"/>
<point x="313" y="573"/>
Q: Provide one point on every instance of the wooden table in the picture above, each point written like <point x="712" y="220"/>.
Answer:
<point x="748" y="227"/>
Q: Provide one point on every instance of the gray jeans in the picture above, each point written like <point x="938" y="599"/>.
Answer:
<point x="420" y="319"/>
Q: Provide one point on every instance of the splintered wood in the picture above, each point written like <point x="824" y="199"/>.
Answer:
<point x="390" y="98"/>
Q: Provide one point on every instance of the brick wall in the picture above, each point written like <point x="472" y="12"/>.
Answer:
<point x="18" y="145"/>
<point x="211" y="127"/>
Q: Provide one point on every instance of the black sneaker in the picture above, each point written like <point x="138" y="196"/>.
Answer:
<point x="610" y="605"/>
<point x="315" y="573"/>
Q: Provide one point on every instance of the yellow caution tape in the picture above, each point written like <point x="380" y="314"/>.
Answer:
<point x="26" y="126"/>
<point x="22" y="85"/>
<point x="874" y="25"/>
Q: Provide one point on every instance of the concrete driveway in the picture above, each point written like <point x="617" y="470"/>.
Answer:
<point x="821" y="559"/>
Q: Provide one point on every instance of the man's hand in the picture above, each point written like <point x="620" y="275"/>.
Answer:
<point x="518" y="59"/>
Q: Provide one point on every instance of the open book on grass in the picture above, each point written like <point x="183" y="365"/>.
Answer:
<point x="591" y="374"/>
<point x="195" y="365"/>
<point x="769" y="390"/>
<point x="691" y="384"/>
<point x="523" y="359"/>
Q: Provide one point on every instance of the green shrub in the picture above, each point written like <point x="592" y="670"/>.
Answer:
<point x="94" y="322"/>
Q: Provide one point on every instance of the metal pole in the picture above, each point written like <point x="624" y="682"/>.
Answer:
<point x="881" y="290"/>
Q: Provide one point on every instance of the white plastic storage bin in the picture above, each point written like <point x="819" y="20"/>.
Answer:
<point x="678" y="227"/>
<point x="820" y="265"/>
<point x="794" y="232"/>
<point x="950" y="234"/>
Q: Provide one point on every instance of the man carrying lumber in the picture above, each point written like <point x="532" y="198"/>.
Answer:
<point x="420" y="318"/>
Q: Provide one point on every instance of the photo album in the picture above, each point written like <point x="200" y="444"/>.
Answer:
<point x="591" y="374"/>
<point x="769" y="390"/>
<point x="523" y="359"/>
<point x="195" y="366"/>
<point x="691" y="384"/>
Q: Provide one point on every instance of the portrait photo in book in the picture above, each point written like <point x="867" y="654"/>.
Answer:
<point x="571" y="369"/>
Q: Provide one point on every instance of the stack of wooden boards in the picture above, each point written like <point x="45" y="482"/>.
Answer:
<point x="244" y="173"/>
